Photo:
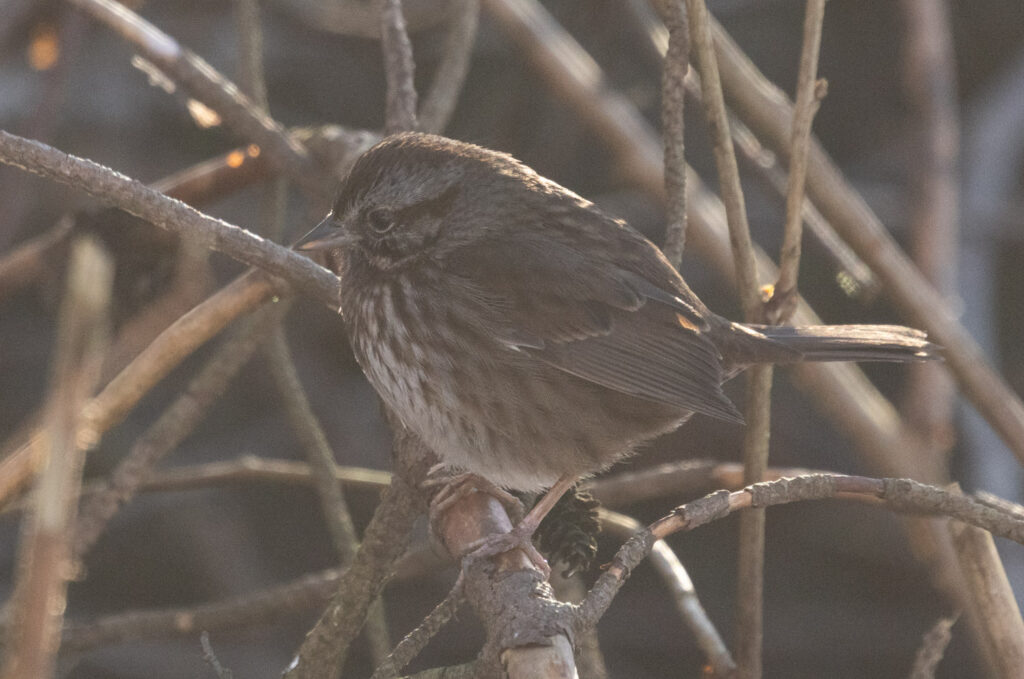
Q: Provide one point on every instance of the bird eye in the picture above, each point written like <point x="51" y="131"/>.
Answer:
<point x="381" y="219"/>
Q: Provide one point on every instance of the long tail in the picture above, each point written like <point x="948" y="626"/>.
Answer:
<point x="838" y="343"/>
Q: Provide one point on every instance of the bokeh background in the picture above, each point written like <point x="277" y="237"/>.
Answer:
<point x="844" y="595"/>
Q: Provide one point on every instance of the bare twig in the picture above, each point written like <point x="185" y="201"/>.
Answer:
<point x="414" y="642"/>
<point x="725" y="160"/>
<point x="768" y="112"/>
<point x="399" y="67"/>
<point x="314" y="442"/>
<point x="322" y="463"/>
<point x="900" y="495"/>
<point x="323" y="652"/>
<point x="678" y="582"/>
<point x="443" y="95"/>
<point x="138" y="199"/>
<point x="933" y="647"/>
<point x="201" y="81"/>
<point x="247" y="469"/>
<point x="929" y="75"/>
<point x="809" y="92"/>
<point x="750" y="566"/>
<point x="854" y="276"/>
<point x="676" y="479"/>
<point x="991" y="603"/>
<point x="45" y="564"/>
<point x="590" y="660"/>
<point x="750" y="579"/>
<point x="673" y="96"/>
<point x="173" y="345"/>
<point x="173" y="425"/>
<point x="247" y="610"/>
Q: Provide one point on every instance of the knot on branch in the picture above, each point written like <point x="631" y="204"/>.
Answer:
<point x="705" y="510"/>
<point x="633" y="551"/>
<point x="792" y="489"/>
<point x="517" y="607"/>
<point x="907" y="495"/>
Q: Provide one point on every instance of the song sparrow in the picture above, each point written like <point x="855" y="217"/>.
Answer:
<point x="522" y="333"/>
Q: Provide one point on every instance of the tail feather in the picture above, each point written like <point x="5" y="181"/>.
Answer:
<point x="845" y="343"/>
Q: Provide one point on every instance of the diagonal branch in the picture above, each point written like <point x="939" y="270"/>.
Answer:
<point x="204" y="83"/>
<point x="134" y="197"/>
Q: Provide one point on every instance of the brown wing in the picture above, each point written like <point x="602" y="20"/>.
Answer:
<point x="597" y="321"/>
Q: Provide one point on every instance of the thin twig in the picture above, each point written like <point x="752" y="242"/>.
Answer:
<point x="173" y="426"/>
<point x="768" y="112"/>
<point x="138" y="199"/>
<point x="324" y="650"/>
<point x="929" y="77"/>
<point x="202" y="82"/>
<point x="443" y="95"/>
<point x="291" y="599"/>
<point x="590" y="660"/>
<point x="45" y="563"/>
<point x="750" y="577"/>
<point x="399" y="68"/>
<point x="750" y="566"/>
<point x="414" y="642"/>
<point x="809" y="92"/>
<point x="854" y="276"/>
<point x="318" y="451"/>
<point x="673" y="97"/>
<point x="173" y="345"/>
<point x="322" y="464"/>
<point x="899" y="495"/>
<point x="247" y="469"/>
<point x="678" y="582"/>
<point x="725" y="160"/>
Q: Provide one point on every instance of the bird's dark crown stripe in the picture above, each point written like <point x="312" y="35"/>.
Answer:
<point x="436" y="206"/>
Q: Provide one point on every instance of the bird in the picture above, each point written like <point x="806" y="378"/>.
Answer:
<point x="526" y="336"/>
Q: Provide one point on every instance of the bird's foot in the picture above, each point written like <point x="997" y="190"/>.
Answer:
<point x="455" y="487"/>
<point x="520" y="537"/>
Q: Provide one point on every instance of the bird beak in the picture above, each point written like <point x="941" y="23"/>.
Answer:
<point x="324" y="236"/>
